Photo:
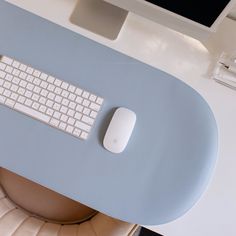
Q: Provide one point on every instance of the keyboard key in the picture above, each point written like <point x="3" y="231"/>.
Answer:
<point x="51" y="96"/>
<point x="92" y="98"/>
<point x="42" y="108"/>
<point x="85" y="94"/>
<point x="57" y="82"/>
<point x="78" y="115"/>
<point x="71" y="88"/>
<point x="58" y="90"/>
<point x="94" y="106"/>
<point x="54" y="122"/>
<point x="14" y="88"/>
<point x="36" y="73"/>
<point x="31" y="112"/>
<point x="2" y="99"/>
<point x="35" y="97"/>
<point x="72" y="96"/>
<point x="64" y="85"/>
<point x="2" y="74"/>
<point x="99" y="101"/>
<point x="7" y="85"/>
<point x="78" y="91"/>
<point x="38" y="90"/>
<point x="42" y="100"/>
<point x="65" y="93"/>
<point x="79" y="100"/>
<point x="30" y="86"/>
<point x="37" y="81"/>
<point x="79" y="108"/>
<point x="30" y="78"/>
<point x="44" y="84"/>
<point x="51" y="87"/>
<point x="44" y="92"/>
<point x="50" y="79"/>
<point x="9" y="69"/>
<point x="56" y="115"/>
<point x="23" y="67"/>
<point x="64" y="109"/>
<point x="86" y="111"/>
<point x="21" y="99"/>
<point x="23" y="83"/>
<point x="82" y="126"/>
<point x="71" y="121"/>
<point x="71" y="112"/>
<point x="86" y="103"/>
<point x="7" y="93"/>
<point x="64" y="118"/>
<point x="28" y="94"/>
<point x="28" y="102"/>
<point x="84" y="135"/>
<point x="7" y="60"/>
<point x="10" y="102"/>
<point x="16" y="80"/>
<point x="58" y="99"/>
<point x="15" y="64"/>
<point x="21" y="91"/>
<point x="77" y="132"/>
<point x="16" y="72"/>
<point x="72" y="105"/>
<point x="43" y="76"/>
<point x="87" y="120"/>
<point x="1" y="90"/>
<point x="65" y="102"/>
<point x="23" y="75"/>
<point x="29" y="70"/>
<point x="36" y="105"/>
<point x="49" y="103"/>
<point x="14" y="96"/>
<point x="49" y="112"/>
<point x="69" y="129"/>
<point x="62" y="125"/>
<point x="2" y="66"/>
<point x="56" y="106"/>
<point x="9" y="77"/>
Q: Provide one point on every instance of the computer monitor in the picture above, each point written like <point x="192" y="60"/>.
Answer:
<point x="196" y="18"/>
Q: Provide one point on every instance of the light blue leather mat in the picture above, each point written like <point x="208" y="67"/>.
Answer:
<point x="171" y="154"/>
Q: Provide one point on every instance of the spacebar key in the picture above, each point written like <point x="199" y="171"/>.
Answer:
<point x="30" y="112"/>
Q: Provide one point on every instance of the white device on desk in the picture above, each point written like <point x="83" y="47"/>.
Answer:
<point x="194" y="18"/>
<point x="225" y="70"/>
<point x="59" y="104"/>
<point x="119" y="130"/>
<point x="47" y="99"/>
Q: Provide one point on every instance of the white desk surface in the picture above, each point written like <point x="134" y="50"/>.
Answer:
<point x="191" y="62"/>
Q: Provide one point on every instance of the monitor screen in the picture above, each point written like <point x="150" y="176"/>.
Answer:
<point x="204" y="12"/>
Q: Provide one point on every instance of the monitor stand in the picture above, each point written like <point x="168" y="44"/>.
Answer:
<point x="99" y="17"/>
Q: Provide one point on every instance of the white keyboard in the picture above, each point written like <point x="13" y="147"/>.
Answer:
<point x="47" y="99"/>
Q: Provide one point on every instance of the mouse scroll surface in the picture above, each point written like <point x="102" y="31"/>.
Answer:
<point x="119" y="130"/>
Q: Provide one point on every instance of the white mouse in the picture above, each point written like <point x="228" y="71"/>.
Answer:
<point x="119" y="130"/>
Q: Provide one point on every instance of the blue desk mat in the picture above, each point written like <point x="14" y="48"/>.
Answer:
<point x="171" y="154"/>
